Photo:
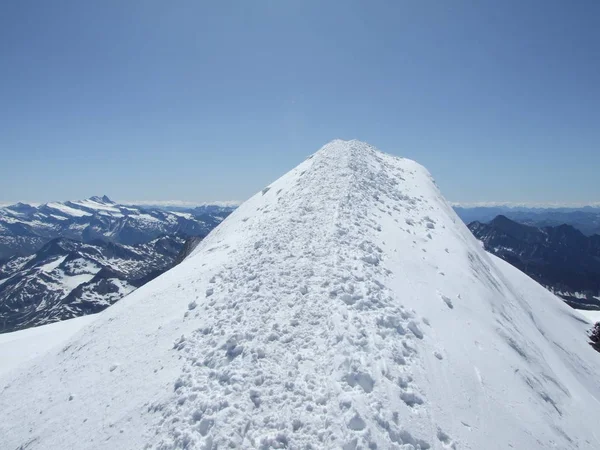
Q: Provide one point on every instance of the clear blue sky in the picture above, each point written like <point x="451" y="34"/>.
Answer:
<point x="196" y="101"/>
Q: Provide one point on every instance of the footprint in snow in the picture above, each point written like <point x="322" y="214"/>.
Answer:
<point x="412" y="326"/>
<point x="411" y="399"/>
<point x="447" y="301"/>
<point x="446" y="441"/>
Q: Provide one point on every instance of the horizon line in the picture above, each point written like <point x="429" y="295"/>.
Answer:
<point x="236" y="203"/>
<point x="163" y="203"/>
<point x="532" y="205"/>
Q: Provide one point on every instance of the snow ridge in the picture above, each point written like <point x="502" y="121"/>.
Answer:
<point x="343" y="306"/>
<point x="234" y="370"/>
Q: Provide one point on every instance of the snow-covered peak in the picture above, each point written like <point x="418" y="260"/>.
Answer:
<point x="104" y="200"/>
<point x="353" y="148"/>
<point x="343" y="306"/>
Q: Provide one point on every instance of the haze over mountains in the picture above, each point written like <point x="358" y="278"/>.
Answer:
<point x="345" y="305"/>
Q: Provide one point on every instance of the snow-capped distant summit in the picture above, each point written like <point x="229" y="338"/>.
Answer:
<point x="21" y="207"/>
<point x="104" y="199"/>
<point x="345" y="305"/>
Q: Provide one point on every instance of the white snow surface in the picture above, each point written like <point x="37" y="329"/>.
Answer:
<point x="67" y="210"/>
<point x="52" y="265"/>
<point x="592" y="316"/>
<point x="95" y="205"/>
<point x="24" y="345"/>
<point x="343" y="306"/>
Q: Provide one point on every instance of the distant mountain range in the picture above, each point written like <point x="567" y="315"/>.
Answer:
<point x="585" y="219"/>
<point x="24" y="229"/>
<point x="67" y="278"/>
<point x="560" y="257"/>
<point x="68" y="259"/>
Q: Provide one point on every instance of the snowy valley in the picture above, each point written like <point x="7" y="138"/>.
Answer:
<point x="344" y="306"/>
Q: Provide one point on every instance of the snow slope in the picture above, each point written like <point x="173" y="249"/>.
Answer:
<point x="592" y="316"/>
<point x="24" y="345"/>
<point x="343" y="306"/>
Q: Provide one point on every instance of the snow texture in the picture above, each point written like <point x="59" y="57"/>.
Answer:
<point x="24" y="345"/>
<point x="346" y="306"/>
<point x="592" y="316"/>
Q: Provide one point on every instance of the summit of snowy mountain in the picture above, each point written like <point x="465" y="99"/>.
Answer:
<point x="104" y="199"/>
<point x="345" y="305"/>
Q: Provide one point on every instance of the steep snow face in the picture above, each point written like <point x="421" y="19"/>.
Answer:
<point x="343" y="306"/>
